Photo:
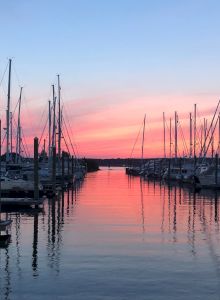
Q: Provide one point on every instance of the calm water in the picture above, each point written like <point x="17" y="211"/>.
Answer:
<point x="115" y="238"/>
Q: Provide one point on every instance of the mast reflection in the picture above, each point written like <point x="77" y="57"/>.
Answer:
<point x="35" y="247"/>
<point x="183" y="211"/>
<point x="142" y="206"/>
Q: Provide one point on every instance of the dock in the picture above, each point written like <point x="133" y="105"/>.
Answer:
<point x="21" y="201"/>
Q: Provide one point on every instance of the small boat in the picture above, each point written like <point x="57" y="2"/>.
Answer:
<point x="184" y="173"/>
<point x="138" y="170"/>
<point x="133" y="171"/>
<point x="4" y="224"/>
<point x="17" y="186"/>
<point x="153" y="169"/>
<point x="209" y="178"/>
<point x="5" y="240"/>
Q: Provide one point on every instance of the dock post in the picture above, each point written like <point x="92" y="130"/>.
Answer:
<point x="72" y="171"/>
<point x="169" y="168"/>
<point x="68" y="169"/>
<point x="180" y="165"/>
<point x="62" y="180"/>
<point x="216" y="169"/>
<point x="36" y="171"/>
<point x="54" y="169"/>
<point x="72" y="167"/>
<point x="195" y="162"/>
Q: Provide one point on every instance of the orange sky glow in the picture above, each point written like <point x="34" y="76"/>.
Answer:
<point x="101" y="129"/>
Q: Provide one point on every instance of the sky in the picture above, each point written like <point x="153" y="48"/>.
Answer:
<point x="117" y="60"/>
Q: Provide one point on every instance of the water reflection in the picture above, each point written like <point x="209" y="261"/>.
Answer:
<point x="6" y="285"/>
<point x="35" y="246"/>
<point x="23" y="221"/>
<point x="142" y="206"/>
<point x="184" y="212"/>
<point x="120" y="234"/>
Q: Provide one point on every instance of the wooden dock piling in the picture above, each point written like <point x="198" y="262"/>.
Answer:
<point x="54" y="169"/>
<point x="180" y="166"/>
<point x="169" y="162"/>
<point x="63" y="161"/>
<point x="72" y="165"/>
<point x="68" y="168"/>
<point x="36" y="171"/>
<point x="216" y="169"/>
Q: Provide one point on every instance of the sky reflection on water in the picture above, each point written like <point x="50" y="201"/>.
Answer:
<point x="115" y="237"/>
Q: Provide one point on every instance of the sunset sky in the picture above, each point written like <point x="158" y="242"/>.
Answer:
<point x="117" y="60"/>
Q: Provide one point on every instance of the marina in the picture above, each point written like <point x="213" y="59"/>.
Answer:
<point x="198" y="166"/>
<point x="109" y="150"/>
<point x="26" y="180"/>
<point x="118" y="232"/>
<point x="115" y="237"/>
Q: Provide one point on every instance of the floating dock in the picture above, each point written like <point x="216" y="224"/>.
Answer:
<point x="21" y="201"/>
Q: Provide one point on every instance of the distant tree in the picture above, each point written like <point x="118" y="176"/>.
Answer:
<point x="91" y="164"/>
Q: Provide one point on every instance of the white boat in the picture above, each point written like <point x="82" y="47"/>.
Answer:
<point x="4" y="224"/>
<point x="209" y="178"/>
<point x="184" y="173"/>
<point x="153" y="169"/>
<point x="17" y="185"/>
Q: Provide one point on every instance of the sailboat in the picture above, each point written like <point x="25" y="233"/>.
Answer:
<point x="4" y="224"/>
<point x="209" y="177"/>
<point x="139" y="170"/>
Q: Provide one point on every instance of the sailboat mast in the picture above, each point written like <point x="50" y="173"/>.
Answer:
<point x="164" y="135"/>
<point x="212" y="141"/>
<point x="59" y="119"/>
<point x="170" y="137"/>
<point x="176" y="135"/>
<point x="44" y="149"/>
<point x="204" y="137"/>
<point x="11" y="146"/>
<point x="18" y="143"/>
<point x="49" y="129"/>
<point x="208" y="131"/>
<point x="218" y="134"/>
<point x="143" y="135"/>
<point x="190" y="135"/>
<point x="201" y="139"/>
<point x="194" y="144"/>
<point x="54" y="119"/>
<point x="8" y="113"/>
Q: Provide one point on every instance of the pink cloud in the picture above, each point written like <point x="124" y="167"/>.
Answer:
<point x="107" y="126"/>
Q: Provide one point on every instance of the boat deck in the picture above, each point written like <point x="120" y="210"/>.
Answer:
<point x="21" y="201"/>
